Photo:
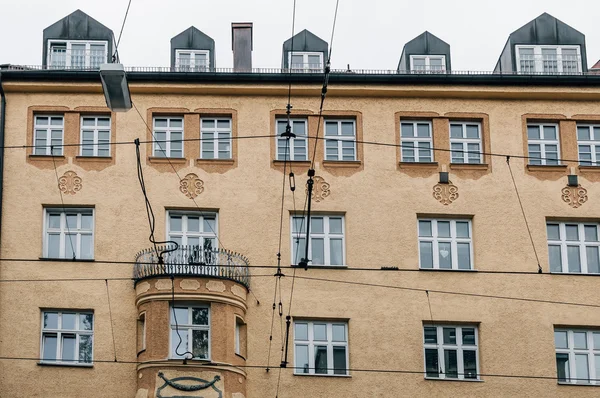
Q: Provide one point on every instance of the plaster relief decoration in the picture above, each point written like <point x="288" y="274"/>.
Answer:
<point x="445" y="193"/>
<point x="192" y="387"/>
<point x="320" y="189"/>
<point x="70" y="183"/>
<point x="191" y="185"/>
<point x="215" y="286"/>
<point x="574" y="196"/>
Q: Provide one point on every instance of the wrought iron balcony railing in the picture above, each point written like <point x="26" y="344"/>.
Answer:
<point x="193" y="261"/>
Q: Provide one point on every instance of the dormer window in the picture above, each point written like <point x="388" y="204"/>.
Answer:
<point x="427" y="63"/>
<point x="548" y="59"/>
<point x="76" y="54"/>
<point x="306" y="61"/>
<point x="192" y="60"/>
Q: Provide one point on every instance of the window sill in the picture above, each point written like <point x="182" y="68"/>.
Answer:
<point x="161" y="160"/>
<point x="322" y="375"/>
<point x="547" y="168"/>
<point x="447" y="270"/>
<point x="94" y="158"/>
<point x="68" y="260"/>
<point x="46" y="157"/>
<point x="69" y="365"/>
<point x="460" y="380"/>
<point x="565" y="383"/>
<point x="469" y="166"/>
<point x="322" y="266"/>
<point x="215" y="161"/>
<point x="419" y="165"/>
<point x="573" y="273"/>
<point x="590" y="169"/>
<point x="342" y="163"/>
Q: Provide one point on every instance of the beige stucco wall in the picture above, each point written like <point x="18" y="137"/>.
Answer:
<point x="380" y="202"/>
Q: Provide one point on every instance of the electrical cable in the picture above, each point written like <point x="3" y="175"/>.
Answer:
<point x="115" y="54"/>
<point x="186" y="352"/>
<point x="63" y="206"/>
<point x="112" y="327"/>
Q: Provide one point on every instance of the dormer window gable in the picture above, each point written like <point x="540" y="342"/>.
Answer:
<point x="76" y="54"/>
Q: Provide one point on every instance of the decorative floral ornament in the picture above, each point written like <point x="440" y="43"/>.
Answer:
<point x="191" y="186"/>
<point x="445" y="193"/>
<point x="320" y="189"/>
<point x="574" y="196"/>
<point x="70" y="183"/>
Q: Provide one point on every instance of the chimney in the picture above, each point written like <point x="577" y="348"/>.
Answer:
<point x="241" y="44"/>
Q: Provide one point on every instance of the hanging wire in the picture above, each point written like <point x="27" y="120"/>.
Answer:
<point x="112" y="327"/>
<point x="436" y="339"/>
<point x="186" y="353"/>
<point x="116" y="53"/>
<point x="63" y="205"/>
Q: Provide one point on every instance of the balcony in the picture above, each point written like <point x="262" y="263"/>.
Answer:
<point x="192" y="261"/>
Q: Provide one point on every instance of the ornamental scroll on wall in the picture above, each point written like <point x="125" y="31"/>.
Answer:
<point x="191" y="185"/>
<point x="574" y="196"/>
<point x="70" y="183"/>
<point x="445" y="193"/>
<point x="188" y="386"/>
<point x="321" y="189"/>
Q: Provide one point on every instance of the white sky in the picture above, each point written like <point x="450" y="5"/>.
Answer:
<point x="370" y="34"/>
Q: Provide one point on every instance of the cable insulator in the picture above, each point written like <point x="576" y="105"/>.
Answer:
<point x="292" y="182"/>
<point x="288" y="132"/>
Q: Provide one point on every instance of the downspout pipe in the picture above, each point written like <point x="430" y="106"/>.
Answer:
<point x="2" y="123"/>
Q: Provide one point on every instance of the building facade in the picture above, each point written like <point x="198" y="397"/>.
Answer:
<point x="453" y="244"/>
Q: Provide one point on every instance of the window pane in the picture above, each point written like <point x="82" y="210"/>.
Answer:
<point x="583" y="133"/>
<point x="200" y="343"/>
<point x="445" y="257"/>
<point x="572" y="232"/>
<point x="533" y="132"/>
<point x="407" y="130"/>
<point x="301" y="331"/>
<point x="335" y="225"/>
<point x="456" y="131"/>
<point x="464" y="255"/>
<point x="339" y="332"/>
<point x="299" y="248"/>
<point x="53" y="246"/>
<point x="336" y="252"/>
<point x="470" y="364"/>
<point x="223" y="124"/>
<point x="176" y="123"/>
<point x="580" y="340"/>
<point x="320" y="332"/>
<point x="597" y="368"/>
<point x="54" y="221"/>
<point x="593" y="261"/>
<point x="181" y="315"/>
<point x="348" y="128"/>
<point x="426" y="254"/>
<point x="431" y="363"/>
<point x="68" y="347"/>
<point x="318" y="251"/>
<point x="87" y="247"/>
<point x="321" y="359"/>
<point x="183" y="346"/>
<point x="423" y="130"/>
<point x="430" y="333"/>
<point x="449" y="335"/>
<point x="86" y="322"/>
<point x="68" y="321"/>
<point x="299" y="128"/>
<point x="85" y="348"/>
<point x="199" y="316"/>
<point x="71" y="221"/>
<point x="573" y="259"/>
<point x="301" y="359"/>
<point x="339" y="360"/>
<point x="175" y="223"/>
<point x="50" y="320"/>
<point x="468" y="336"/>
<point x="554" y="253"/>
<point x="209" y="225"/>
<point x="193" y="224"/>
<point x="560" y="339"/>
<point x="549" y="132"/>
<point x="443" y="229"/>
<point x="591" y="233"/>
<point x="581" y="368"/>
<point x="86" y="221"/>
<point x="450" y="358"/>
<point x="553" y="231"/>
<point x="462" y="229"/>
<point x="562" y="367"/>
<point x="425" y="228"/>
<point x="316" y="225"/>
<point x="49" y="353"/>
<point x="472" y="131"/>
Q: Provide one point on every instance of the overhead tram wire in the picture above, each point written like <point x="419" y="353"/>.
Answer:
<point x="112" y="326"/>
<point x="116" y="53"/>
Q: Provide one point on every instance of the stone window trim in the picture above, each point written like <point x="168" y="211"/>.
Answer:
<point x="71" y="136"/>
<point x="567" y="142"/>
<point x="330" y="334"/>
<point x="312" y="118"/>
<point x="240" y="336"/>
<point x="440" y="126"/>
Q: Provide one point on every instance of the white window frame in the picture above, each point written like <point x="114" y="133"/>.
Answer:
<point x="95" y="131"/>
<point x="581" y="243"/>
<point x="238" y="323"/>
<point x="215" y="131"/>
<point x="305" y="65"/>
<point x="459" y="347"/>
<point x="47" y="128"/>
<point x="339" y="138"/>
<point x="60" y="331"/>
<point x="62" y="231"/>
<point x="326" y="236"/>
<point x="192" y="67"/>
<point x="543" y="142"/>
<point x="591" y="351"/>
<point x="187" y="327"/>
<point x="157" y="149"/>
<point x="329" y="343"/>
<point x="428" y="59"/>
<point x="453" y="240"/>
<point x="539" y="60"/>
<point x="142" y="319"/>
<point x="185" y="233"/>
<point x="415" y="141"/>
<point x="293" y="140"/>
<point x="69" y="44"/>
<point x="593" y="143"/>
<point x="465" y="142"/>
